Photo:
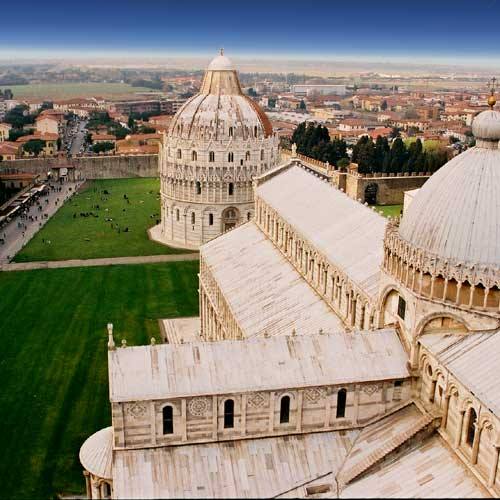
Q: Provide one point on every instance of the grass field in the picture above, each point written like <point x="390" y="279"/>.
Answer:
<point x="93" y="237"/>
<point x="53" y="361"/>
<point x="389" y="210"/>
<point x="69" y="90"/>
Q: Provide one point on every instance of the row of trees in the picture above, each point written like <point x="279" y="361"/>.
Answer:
<point x="397" y="157"/>
<point x="314" y="141"/>
<point x="371" y="156"/>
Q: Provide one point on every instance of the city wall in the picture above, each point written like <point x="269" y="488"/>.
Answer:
<point x="389" y="190"/>
<point x="88" y="167"/>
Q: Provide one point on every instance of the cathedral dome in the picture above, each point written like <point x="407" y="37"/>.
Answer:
<point x="456" y="214"/>
<point x="220" y="111"/>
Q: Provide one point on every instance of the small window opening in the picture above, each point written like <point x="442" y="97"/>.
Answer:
<point x="228" y="414"/>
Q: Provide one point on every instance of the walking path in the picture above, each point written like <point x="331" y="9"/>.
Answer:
<point x="113" y="261"/>
<point x="16" y="237"/>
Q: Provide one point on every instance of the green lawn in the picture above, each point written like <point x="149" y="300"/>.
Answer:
<point x="69" y="90"/>
<point x="74" y="237"/>
<point x="389" y="210"/>
<point x="53" y="360"/>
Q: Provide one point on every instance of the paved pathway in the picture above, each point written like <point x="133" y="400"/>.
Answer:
<point x="146" y="259"/>
<point x="16" y="237"/>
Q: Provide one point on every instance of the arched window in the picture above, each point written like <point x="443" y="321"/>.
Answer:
<point x="230" y="157"/>
<point x="107" y="490"/>
<point x="255" y="131"/>
<point x="228" y="414"/>
<point x="285" y="410"/>
<point x="247" y="156"/>
<point x="193" y="218"/>
<point x="341" y="400"/>
<point x="230" y="131"/>
<point x="210" y="219"/>
<point x="177" y="214"/>
<point x="471" y="426"/>
<point x="231" y="189"/>
<point x="194" y="155"/>
<point x="179" y="154"/>
<point x="261" y="154"/>
<point x="168" y="420"/>
<point x="249" y="215"/>
<point x="211" y="157"/>
<point x="198" y="187"/>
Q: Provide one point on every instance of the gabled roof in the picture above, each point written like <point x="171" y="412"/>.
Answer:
<point x="264" y="291"/>
<point x="168" y="371"/>
<point x="349" y="234"/>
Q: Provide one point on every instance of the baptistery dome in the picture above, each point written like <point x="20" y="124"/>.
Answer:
<point x="217" y="142"/>
<point x="456" y="214"/>
<point x="221" y="110"/>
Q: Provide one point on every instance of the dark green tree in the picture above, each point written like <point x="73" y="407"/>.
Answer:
<point x="395" y="132"/>
<point x="399" y="156"/>
<point x="34" y="146"/>
<point x="102" y="147"/>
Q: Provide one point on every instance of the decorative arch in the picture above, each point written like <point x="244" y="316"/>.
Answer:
<point x="383" y="305"/>
<point x="420" y="329"/>
<point x="230" y="217"/>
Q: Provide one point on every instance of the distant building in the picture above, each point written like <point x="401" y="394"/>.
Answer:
<point x="4" y="131"/>
<point x="9" y="150"/>
<point x="319" y="89"/>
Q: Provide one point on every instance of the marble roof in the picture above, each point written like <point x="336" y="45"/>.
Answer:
<point x="167" y="371"/>
<point x="349" y="234"/>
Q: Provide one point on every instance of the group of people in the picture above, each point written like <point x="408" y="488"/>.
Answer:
<point x="32" y="212"/>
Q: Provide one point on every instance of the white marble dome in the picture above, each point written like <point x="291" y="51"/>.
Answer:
<point x="220" y="111"/>
<point x="456" y="214"/>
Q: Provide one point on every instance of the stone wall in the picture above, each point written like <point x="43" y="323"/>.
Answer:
<point x="89" y="167"/>
<point x="200" y="419"/>
<point x="389" y="189"/>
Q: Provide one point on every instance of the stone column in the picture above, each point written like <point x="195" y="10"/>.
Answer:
<point x="494" y="466"/>
<point x="475" y="443"/>
<point x="300" y="399"/>
<point x="458" y="437"/>
<point x="444" y="419"/>
<point x="88" y="489"/>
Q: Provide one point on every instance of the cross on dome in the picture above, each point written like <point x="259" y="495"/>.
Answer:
<point x="492" y="85"/>
<point x="221" y="63"/>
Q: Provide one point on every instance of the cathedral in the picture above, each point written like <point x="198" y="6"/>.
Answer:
<point x="338" y="354"/>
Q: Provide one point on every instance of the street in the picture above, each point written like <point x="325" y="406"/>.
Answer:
<point x="78" y="139"/>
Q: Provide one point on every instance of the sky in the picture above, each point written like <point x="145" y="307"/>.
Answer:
<point x="433" y="31"/>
